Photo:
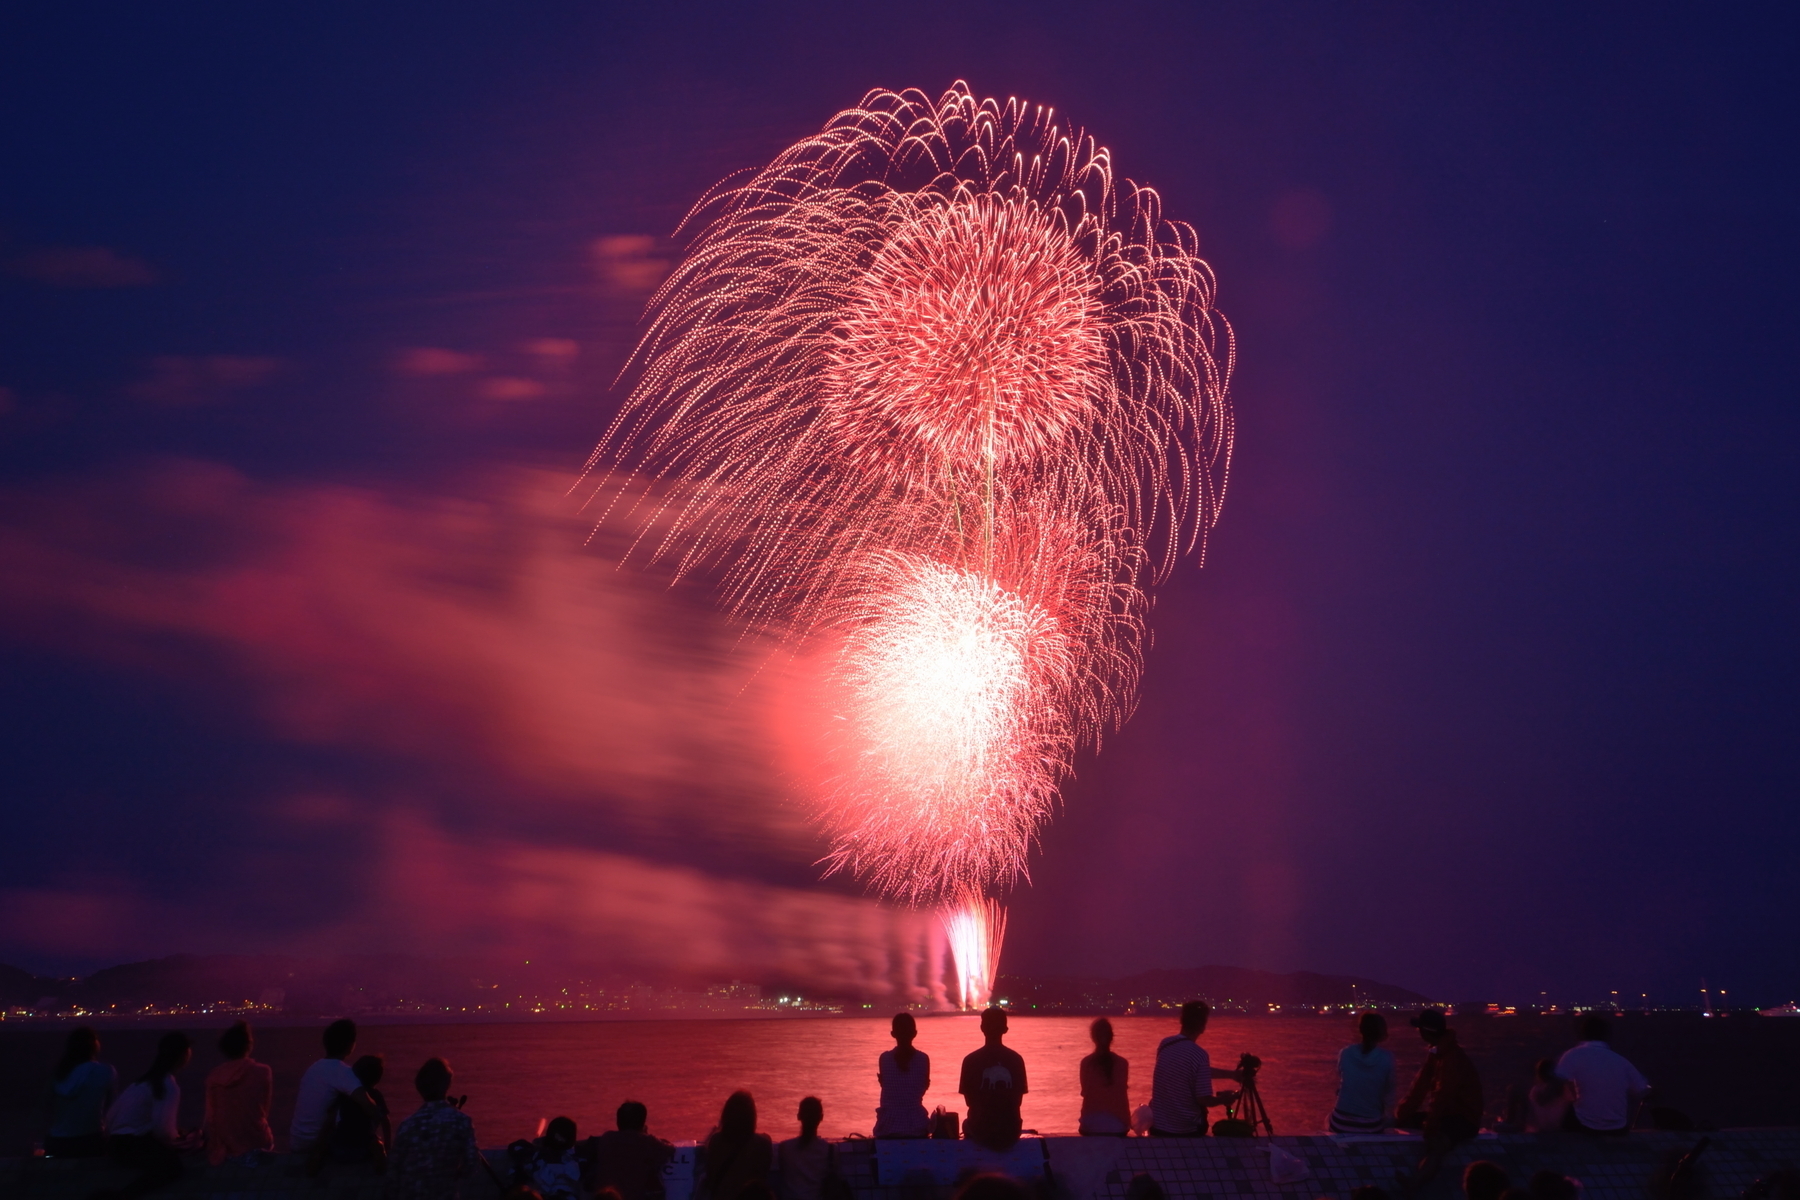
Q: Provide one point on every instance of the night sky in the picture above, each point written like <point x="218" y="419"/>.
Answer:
<point x="309" y="315"/>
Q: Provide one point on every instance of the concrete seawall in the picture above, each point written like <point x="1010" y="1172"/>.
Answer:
<point x="1072" y="1168"/>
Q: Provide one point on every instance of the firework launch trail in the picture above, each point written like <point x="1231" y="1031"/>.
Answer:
<point x="938" y="398"/>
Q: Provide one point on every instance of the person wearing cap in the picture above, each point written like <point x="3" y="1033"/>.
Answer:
<point x="1445" y="1100"/>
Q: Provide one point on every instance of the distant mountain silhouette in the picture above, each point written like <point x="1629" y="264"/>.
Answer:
<point x="1232" y="988"/>
<point x="347" y="983"/>
<point x="400" y="984"/>
<point x="22" y="989"/>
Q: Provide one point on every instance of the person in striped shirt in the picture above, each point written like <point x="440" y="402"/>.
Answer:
<point x="1181" y="1088"/>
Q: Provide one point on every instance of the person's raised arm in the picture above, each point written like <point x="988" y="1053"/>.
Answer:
<point x="1209" y="1098"/>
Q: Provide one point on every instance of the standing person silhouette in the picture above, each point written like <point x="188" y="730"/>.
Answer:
<point x="905" y="1076"/>
<point x="993" y="1086"/>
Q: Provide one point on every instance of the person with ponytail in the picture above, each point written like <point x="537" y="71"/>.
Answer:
<point x="140" y="1127"/>
<point x="1365" y="1100"/>
<point x="804" y="1163"/>
<point x="80" y="1091"/>
<point x="905" y="1076"/>
<point x="1105" y="1076"/>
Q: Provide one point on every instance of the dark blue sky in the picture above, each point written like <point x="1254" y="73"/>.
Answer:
<point x="308" y="314"/>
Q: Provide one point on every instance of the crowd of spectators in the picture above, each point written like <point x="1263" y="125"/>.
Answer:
<point x="341" y="1115"/>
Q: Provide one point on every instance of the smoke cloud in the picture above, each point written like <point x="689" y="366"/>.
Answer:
<point x="530" y="747"/>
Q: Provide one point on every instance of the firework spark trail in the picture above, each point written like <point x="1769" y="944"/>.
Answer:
<point x="975" y="928"/>
<point x="933" y="388"/>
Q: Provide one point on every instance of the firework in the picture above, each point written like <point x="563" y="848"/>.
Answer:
<point x="936" y="391"/>
<point x="975" y="928"/>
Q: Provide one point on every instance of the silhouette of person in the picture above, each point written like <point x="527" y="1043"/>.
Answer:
<point x="905" y="1076"/>
<point x="993" y="1086"/>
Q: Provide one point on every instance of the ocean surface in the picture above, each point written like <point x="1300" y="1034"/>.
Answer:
<point x="1723" y="1072"/>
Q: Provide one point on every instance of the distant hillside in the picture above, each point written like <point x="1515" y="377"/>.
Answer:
<point x="1226" y="988"/>
<point x="22" y="989"/>
<point x="307" y="986"/>
<point x="400" y="985"/>
<point x="395" y="985"/>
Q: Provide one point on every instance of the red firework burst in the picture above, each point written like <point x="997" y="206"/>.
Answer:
<point x="932" y="383"/>
<point x="973" y="340"/>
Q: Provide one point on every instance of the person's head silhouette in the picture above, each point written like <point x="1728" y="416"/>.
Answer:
<point x="993" y="1024"/>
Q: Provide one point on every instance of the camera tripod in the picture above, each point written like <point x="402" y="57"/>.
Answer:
<point x="1244" y="1114"/>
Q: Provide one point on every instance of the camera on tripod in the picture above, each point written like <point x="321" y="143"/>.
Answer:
<point x="1244" y="1114"/>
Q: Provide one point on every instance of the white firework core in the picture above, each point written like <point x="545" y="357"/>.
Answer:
<point x="952" y="692"/>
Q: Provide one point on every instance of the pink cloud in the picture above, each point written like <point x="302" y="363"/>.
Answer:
<point x="429" y="361"/>
<point x="629" y="263"/>
<point x="554" y="351"/>
<point x="83" y="267"/>
<point x="508" y="387"/>
<point x="465" y="626"/>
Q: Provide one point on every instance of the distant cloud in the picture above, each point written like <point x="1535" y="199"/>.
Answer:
<point x="180" y="381"/>
<point x="554" y="351"/>
<point x="422" y="362"/>
<point x="82" y="267"/>
<point x="629" y="263"/>
<point x="507" y="387"/>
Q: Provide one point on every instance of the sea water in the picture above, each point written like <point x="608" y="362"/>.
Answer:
<point x="1731" y="1071"/>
